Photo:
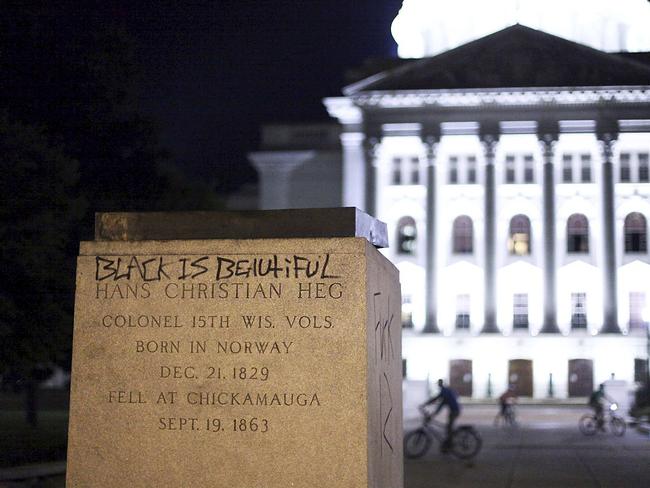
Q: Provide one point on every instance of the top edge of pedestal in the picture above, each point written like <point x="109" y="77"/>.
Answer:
<point x="248" y="224"/>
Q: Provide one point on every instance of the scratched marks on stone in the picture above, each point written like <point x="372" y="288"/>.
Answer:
<point x="384" y="353"/>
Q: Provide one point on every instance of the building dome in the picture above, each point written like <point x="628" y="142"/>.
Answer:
<point x="428" y="27"/>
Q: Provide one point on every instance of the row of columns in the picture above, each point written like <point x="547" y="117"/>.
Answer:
<point x="548" y="135"/>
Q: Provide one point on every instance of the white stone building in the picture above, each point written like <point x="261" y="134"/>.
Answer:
<point x="513" y="174"/>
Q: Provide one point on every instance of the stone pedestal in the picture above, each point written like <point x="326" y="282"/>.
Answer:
<point x="237" y="363"/>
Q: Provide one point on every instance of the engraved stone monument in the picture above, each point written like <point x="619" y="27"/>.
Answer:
<point x="239" y="350"/>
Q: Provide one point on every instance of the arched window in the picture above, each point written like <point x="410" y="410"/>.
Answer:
<point x="463" y="235"/>
<point x="577" y="234"/>
<point x="406" y="235"/>
<point x="519" y="241"/>
<point x="636" y="233"/>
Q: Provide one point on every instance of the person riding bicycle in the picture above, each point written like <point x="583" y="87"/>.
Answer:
<point x="448" y="398"/>
<point x="596" y="402"/>
<point x="507" y="400"/>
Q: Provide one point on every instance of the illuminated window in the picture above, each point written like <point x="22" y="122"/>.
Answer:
<point x="624" y="167"/>
<point x="510" y="169"/>
<point x="397" y="171"/>
<point x="578" y="310"/>
<point x="585" y="168"/>
<point x="637" y="306"/>
<point x="577" y="230"/>
<point x="644" y="173"/>
<point x="471" y="169"/>
<point x="519" y="243"/>
<point x="407" y="311"/>
<point x="520" y="311"/>
<point x="453" y="169"/>
<point x="567" y="168"/>
<point x="635" y="229"/>
<point x="462" y="311"/>
<point x="529" y="170"/>
<point x="463" y="235"/>
<point x="415" y="171"/>
<point x="406" y="236"/>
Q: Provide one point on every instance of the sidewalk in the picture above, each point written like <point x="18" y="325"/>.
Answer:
<point x="546" y="451"/>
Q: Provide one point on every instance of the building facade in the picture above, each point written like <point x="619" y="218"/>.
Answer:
<point x="513" y="174"/>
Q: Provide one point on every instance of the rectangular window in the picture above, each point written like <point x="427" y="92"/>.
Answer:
<point x="624" y="166"/>
<point x="578" y="310"/>
<point x="637" y="305"/>
<point x="529" y="169"/>
<point x="640" y="370"/>
<point x="453" y="170"/>
<point x="510" y="169"/>
<point x="415" y="171"/>
<point x="397" y="171"/>
<point x="520" y="311"/>
<point x="471" y="169"/>
<point x="567" y="168"/>
<point x="462" y="311"/>
<point x="585" y="168"/>
<point x="644" y="170"/>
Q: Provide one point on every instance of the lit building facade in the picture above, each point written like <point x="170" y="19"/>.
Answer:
<point x="513" y="174"/>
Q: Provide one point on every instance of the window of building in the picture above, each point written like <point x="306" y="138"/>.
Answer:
<point x="453" y="169"/>
<point x="644" y="168"/>
<point x="578" y="310"/>
<point x="520" y="311"/>
<point x="624" y="166"/>
<point x="510" y="168"/>
<point x="415" y="171"/>
<point x="407" y="311"/>
<point x="529" y="168"/>
<point x="585" y="168"/>
<point x="519" y="242"/>
<point x="471" y="169"/>
<point x="577" y="229"/>
<point x="640" y="370"/>
<point x="567" y="168"/>
<point x="635" y="230"/>
<point x="406" y="236"/>
<point x="397" y="171"/>
<point x="637" y="306"/>
<point x="463" y="235"/>
<point x="462" y="311"/>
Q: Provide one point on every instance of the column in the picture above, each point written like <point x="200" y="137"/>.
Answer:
<point x="548" y="140"/>
<point x="610" y="308"/>
<point x="490" y="142"/>
<point x="354" y="170"/>
<point x="431" y="326"/>
<point x="275" y="168"/>
<point x="371" y="145"/>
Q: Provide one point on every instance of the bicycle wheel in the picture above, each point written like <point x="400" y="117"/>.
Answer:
<point x="416" y="443"/>
<point x="588" y="424"/>
<point x="617" y="425"/>
<point x="466" y="442"/>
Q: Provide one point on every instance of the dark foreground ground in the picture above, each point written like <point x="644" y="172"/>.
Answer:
<point x="546" y="450"/>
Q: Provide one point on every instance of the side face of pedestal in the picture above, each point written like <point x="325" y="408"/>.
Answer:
<point x="239" y="363"/>
<point x="384" y="332"/>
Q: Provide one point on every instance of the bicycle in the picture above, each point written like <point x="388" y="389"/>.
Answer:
<point x="589" y="423"/>
<point x="465" y="440"/>
<point x="508" y="417"/>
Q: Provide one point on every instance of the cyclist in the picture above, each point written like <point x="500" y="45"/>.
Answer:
<point x="448" y="398"/>
<point x="596" y="402"/>
<point x="507" y="401"/>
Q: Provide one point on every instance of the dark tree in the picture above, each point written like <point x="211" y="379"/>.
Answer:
<point x="38" y="209"/>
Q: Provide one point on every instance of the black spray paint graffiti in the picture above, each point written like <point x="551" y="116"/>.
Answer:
<point x="384" y="355"/>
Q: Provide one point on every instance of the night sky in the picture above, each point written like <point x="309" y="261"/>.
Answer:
<point x="212" y="72"/>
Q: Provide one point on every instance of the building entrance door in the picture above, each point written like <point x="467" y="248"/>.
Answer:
<point x="460" y="376"/>
<point x="520" y="376"/>
<point x="581" y="377"/>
